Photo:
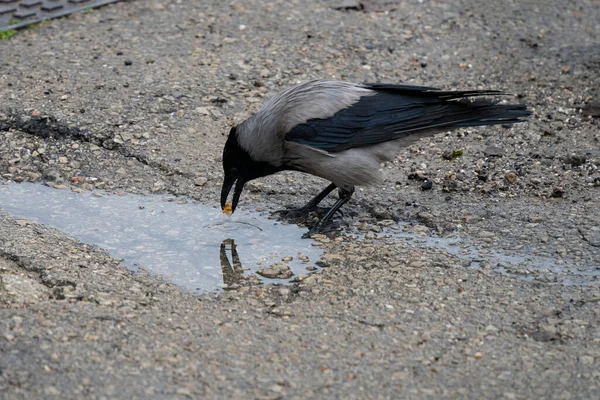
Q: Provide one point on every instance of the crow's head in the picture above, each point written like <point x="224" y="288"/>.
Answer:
<point x="239" y="168"/>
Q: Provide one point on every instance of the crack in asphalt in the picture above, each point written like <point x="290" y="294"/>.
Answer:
<point x="48" y="126"/>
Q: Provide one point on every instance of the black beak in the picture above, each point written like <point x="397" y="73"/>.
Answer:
<point x="228" y="183"/>
<point x="226" y="188"/>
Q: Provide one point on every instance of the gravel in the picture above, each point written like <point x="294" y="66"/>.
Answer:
<point x="139" y="96"/>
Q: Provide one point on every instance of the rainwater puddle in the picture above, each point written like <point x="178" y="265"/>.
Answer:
<point x="524" y="263"/>
<point x="190" y="244"/>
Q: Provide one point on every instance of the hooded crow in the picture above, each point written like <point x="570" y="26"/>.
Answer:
<point x="343" y="131"/>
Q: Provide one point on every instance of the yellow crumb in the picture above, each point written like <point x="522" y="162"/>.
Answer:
<point x="227" y="210"/>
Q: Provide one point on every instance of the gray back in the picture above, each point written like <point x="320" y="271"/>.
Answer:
<point x="263" y="134"/>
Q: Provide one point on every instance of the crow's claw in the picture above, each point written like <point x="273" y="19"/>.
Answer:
<point x="302" y="212"/>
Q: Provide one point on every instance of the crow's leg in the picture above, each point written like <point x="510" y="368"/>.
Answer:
<point x="310" y="206"/>
<point x="345" y="195"/>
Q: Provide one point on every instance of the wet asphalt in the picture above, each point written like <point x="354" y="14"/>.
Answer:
<point x="136" y="98"/>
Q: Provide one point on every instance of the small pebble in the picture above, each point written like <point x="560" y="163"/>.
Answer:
<point x="511" y="177"/>
<point x="535" y="219"/>
<point x="200" y="181"/>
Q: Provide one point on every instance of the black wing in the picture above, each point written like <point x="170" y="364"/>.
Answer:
<point x="397" y="111"/>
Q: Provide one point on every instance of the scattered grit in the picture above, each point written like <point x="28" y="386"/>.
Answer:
<point x="138" y="96"/>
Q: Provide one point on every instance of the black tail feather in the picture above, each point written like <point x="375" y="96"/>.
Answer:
<point x="494" y="114"/>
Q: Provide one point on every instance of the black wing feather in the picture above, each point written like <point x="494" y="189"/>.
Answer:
<point x="397" y="111"/>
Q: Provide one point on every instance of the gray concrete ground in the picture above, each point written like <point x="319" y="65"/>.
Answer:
<point x="138" y="97"/>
